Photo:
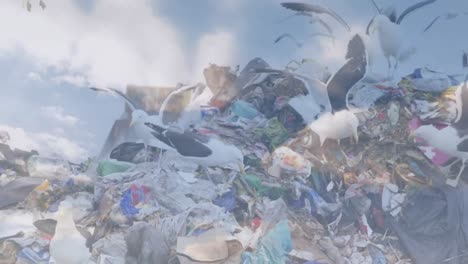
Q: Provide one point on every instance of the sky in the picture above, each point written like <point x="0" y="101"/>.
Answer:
<point x="48" y="56"/>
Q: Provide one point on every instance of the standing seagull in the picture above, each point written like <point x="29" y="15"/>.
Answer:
<point x="453" y="139"/>
<point x="341" y="122"/>
<point x="390" y="37"/>
<point x="199" y="149"/>
<point x="138" y="130"/>
<point x="68" y="246"/>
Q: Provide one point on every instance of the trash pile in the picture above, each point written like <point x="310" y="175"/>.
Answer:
<point x="382" y="199"/>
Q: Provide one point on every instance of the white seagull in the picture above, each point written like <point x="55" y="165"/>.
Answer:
<point x="389" y="33"/>
<point x="137" y="128"/>
<point x="200" y="149"/>
<point x="68" y="246"/>
<point x="341" y="122"/>
<point x="453" y="139"/>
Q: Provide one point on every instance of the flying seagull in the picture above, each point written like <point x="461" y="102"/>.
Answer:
<point x="316" y="19"/>
<point x="341" y="122"/>
<point x="289" y="36"/>
<point x="387" y="23"/>
<point x="315" y="9"/>
<point x="453" y="139"/>
<point x="300" y="44"/>
<point x="42" y="4"/>
<point x="199" y="149"/>
<point x="448" y="16"/>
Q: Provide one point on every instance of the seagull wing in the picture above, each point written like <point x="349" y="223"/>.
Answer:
<point x="287" y="35"/>
<point x="183" y="143"/>
<point x="432" y="23"/>
<point x="413" y="8"/>
<point x="348" y="75"/>
<point x="325" y="25"/>
<point x="169" y="99"/>
<point x="465" y="61"/>
<point x="124" y="96"/>
<point x="463" y="145"/>
<point x="461" y="123"/>
<point x="376" y="7"/>
<point x="305" y="7"/>
<point x="293" y="61"/>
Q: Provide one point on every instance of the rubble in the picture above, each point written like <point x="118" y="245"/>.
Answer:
<point x="379" y="200"/>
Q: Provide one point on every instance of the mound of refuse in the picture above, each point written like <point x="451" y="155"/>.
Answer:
<point x="381" y="197"/>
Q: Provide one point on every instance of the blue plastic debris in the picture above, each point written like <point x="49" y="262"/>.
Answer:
<point x="273" y="247"/>
<point x="227" y="200"/>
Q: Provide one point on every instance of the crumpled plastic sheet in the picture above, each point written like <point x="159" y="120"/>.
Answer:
<point x="107" y="167"/>
<point x="142" y="236"/>
<point x="48" y="168"/>
<point x="227" y="200"/>
<point x="273" y="247"/>
<point x="113" y="245"/>
<point x="137" y="196"/>
<point x="273" y="135"/>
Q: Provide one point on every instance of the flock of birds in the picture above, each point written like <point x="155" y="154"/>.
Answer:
<point x="336" y="119"/>
<point x="387" y="23"/>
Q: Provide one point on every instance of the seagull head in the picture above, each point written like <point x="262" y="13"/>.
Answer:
<point x="378" y="22"/>
<point x="66" y="208"/>
<point x="238" y="157"/>
<point x="138" y="115"/>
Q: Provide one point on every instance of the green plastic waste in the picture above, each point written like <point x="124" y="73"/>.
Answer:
<point x="107" y="167"/>
<point x="273" y="135"/>
<point x="272" y="248"/>
<point x="271" y="191"/>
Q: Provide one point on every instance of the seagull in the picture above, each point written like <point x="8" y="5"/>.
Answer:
<point x="391" y="40"/>
<point x="315" y="19"/>
<point x="138" y="117"/>
<point x="68" y="246"/>
<point x="341" y="122"/>
<point x="289" y="36"/>
<point x="310" y="9"/>
<point x="448" y="16"/>
<point x="42" y="4"/>
<point x="453" y="139"/>
<point x="199" y="149"/>
<point x="300" y="44"/>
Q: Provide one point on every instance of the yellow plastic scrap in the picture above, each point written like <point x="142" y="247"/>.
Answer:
<point x="43" y="187"/>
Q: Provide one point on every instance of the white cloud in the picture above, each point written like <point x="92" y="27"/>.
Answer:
<point x="47" y="144"/>
<point x="117" y="43"/>
<point x="57" y="113"/>
<point x="74" y="79"/>
<point x="218" y="48"/>
<point x="34" y="76"/>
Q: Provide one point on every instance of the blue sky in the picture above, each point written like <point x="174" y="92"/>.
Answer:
<point x="45" y="56"/>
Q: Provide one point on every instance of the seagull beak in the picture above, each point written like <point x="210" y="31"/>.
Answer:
<point x="131" y="123"/>
<point x="411" y="137"/>
<point x="241" y="168"/>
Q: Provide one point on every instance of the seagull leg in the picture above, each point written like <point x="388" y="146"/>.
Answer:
<point x="159" y="158"/>
<point x="448" y="166"/>
<point x="395" y="68"/>
<point x="389" y="67"/>
<point x="454" y="182"/>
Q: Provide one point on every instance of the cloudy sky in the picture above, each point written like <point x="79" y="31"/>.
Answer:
<point x="46" y="56"/>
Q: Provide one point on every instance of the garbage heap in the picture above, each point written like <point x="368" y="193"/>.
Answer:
<point x="380" y="200"/>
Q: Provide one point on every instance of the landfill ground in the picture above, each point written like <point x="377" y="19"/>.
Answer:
<point x="302" y="193"/>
